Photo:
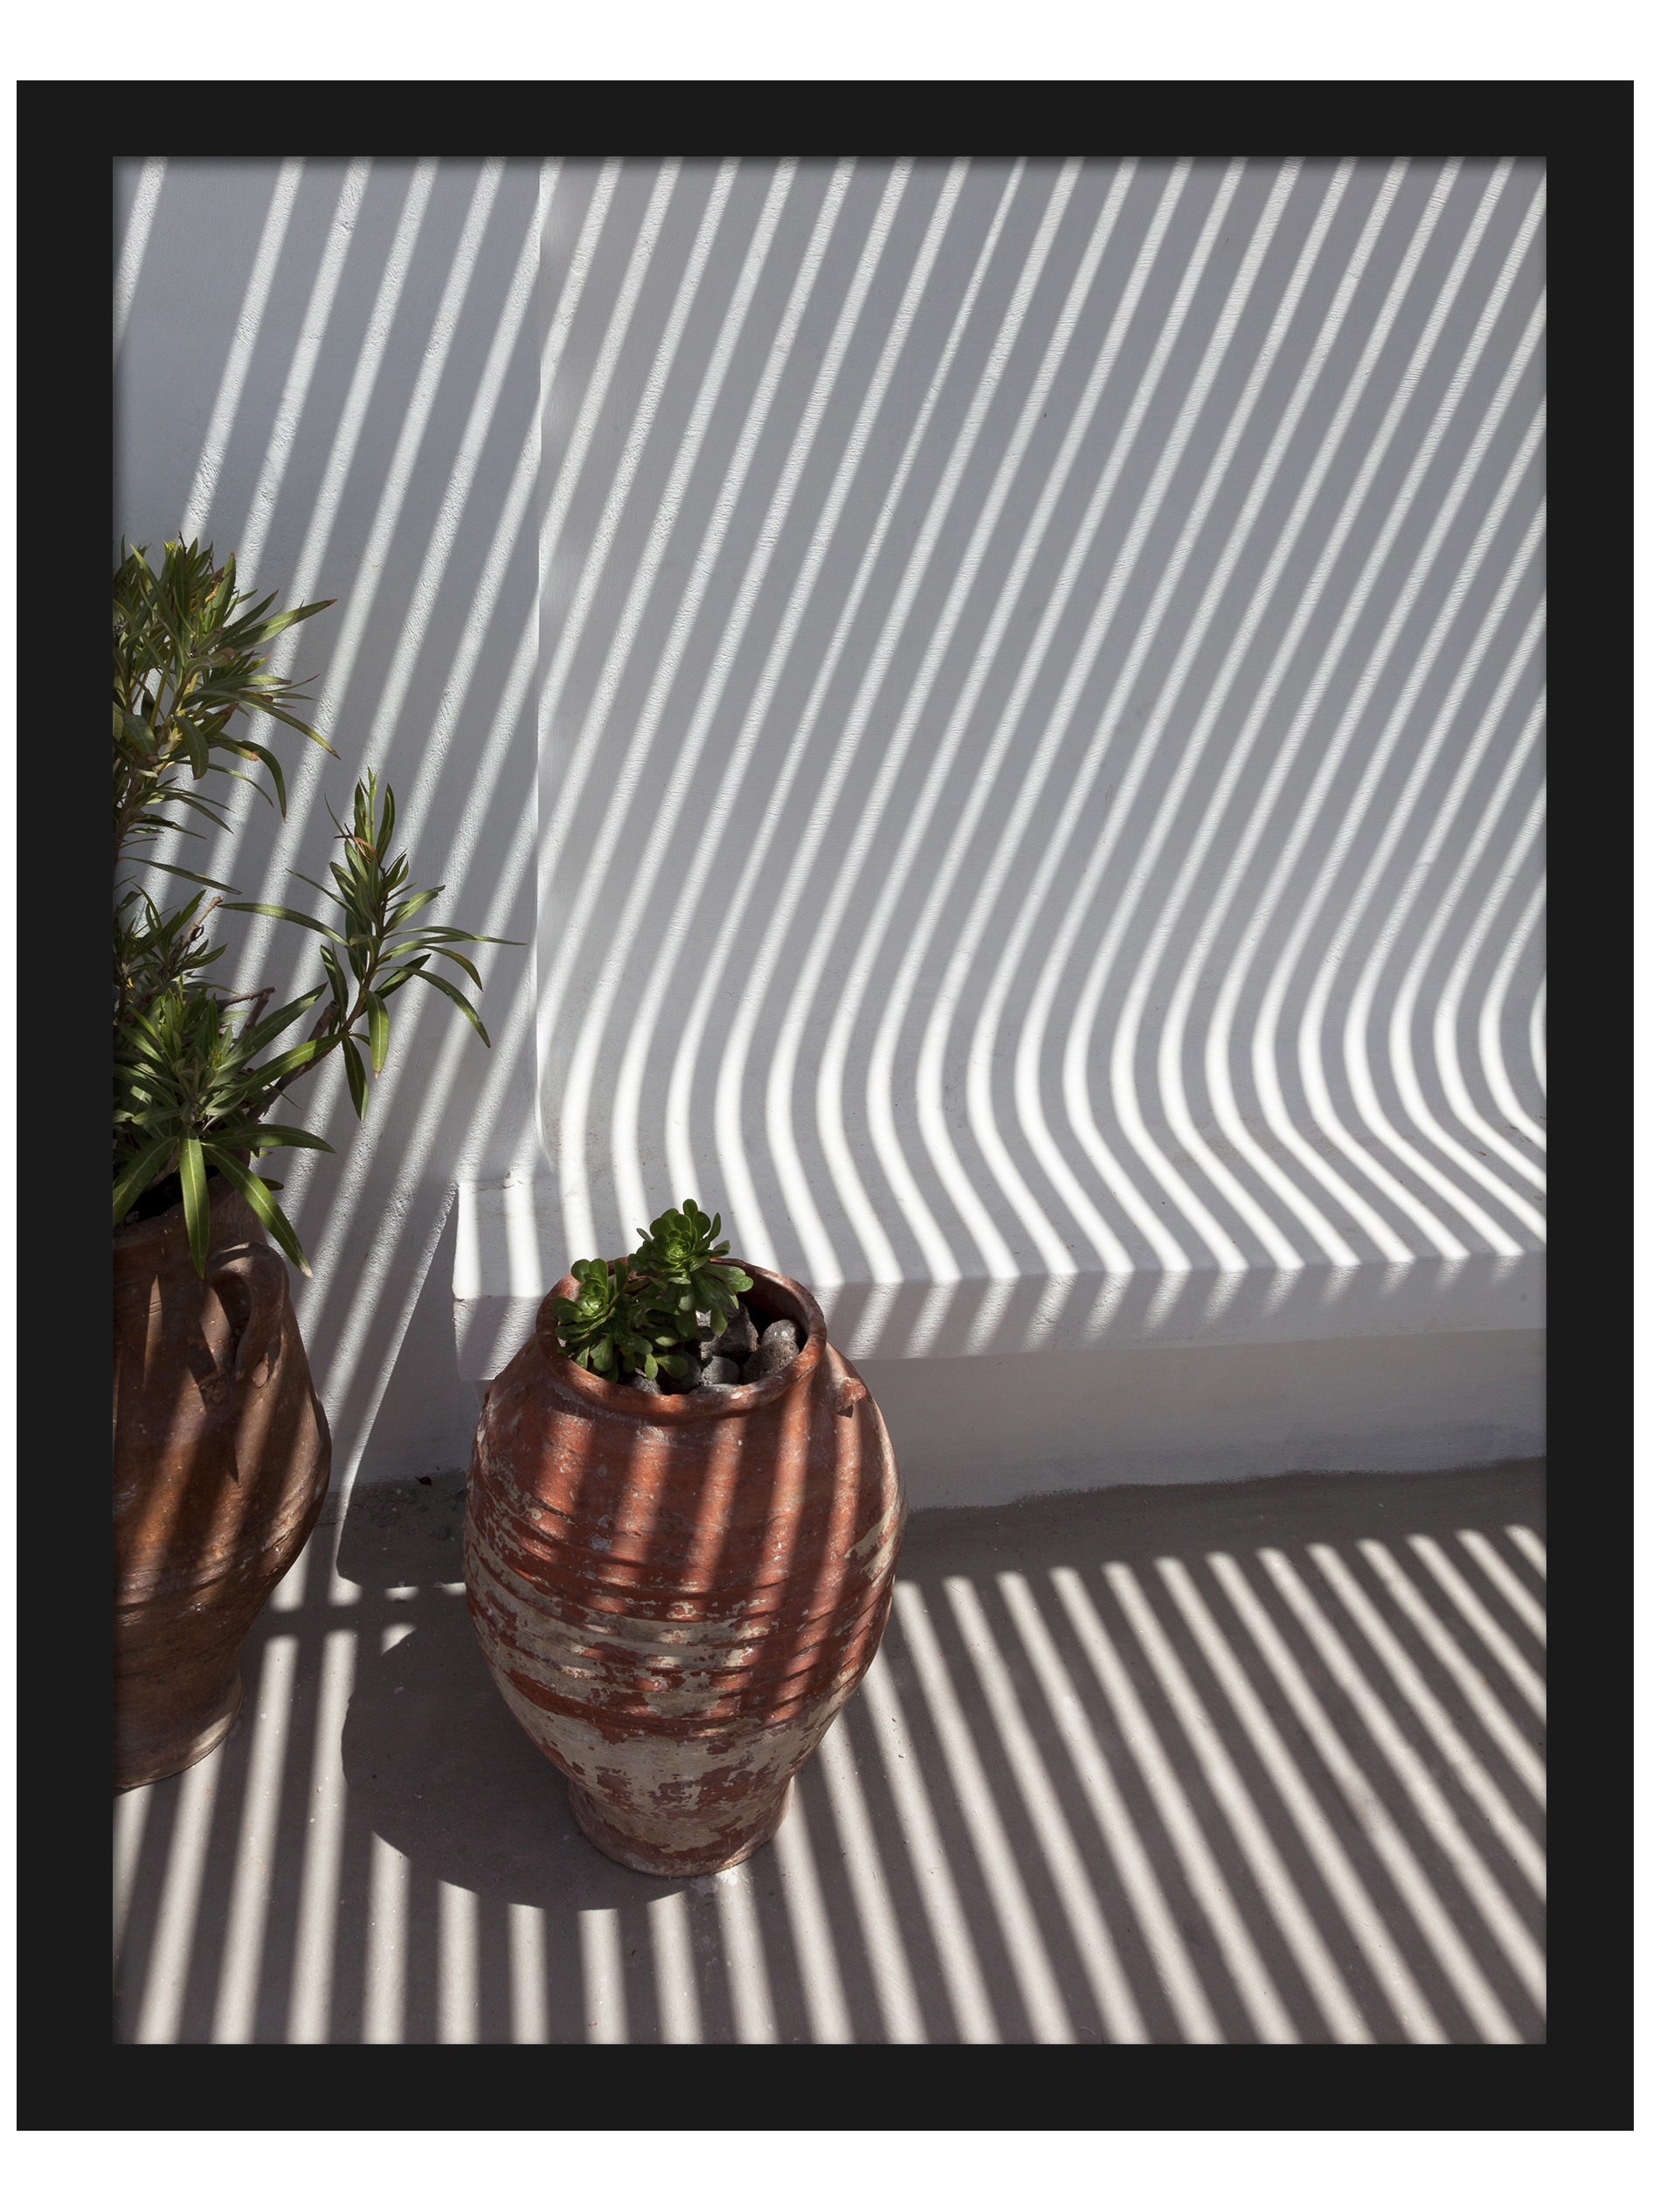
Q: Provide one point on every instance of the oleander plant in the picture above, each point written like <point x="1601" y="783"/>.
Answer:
<point x="198" y="1071"/>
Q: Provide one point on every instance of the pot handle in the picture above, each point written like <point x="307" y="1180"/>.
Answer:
<point x="266" y="1279"/>
<point x="851" y="1391"/>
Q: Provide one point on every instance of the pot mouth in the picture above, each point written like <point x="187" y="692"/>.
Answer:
<point x="777" y="1296"/>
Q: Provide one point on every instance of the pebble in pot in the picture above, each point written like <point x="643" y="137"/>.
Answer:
<point x="778" y="1345"/>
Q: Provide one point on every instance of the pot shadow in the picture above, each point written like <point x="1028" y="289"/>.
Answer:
<point x="437" y="1767"/>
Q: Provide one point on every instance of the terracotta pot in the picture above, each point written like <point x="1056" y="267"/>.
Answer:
<point x="676" y="1595"/>
<point x="221" y="1450"/>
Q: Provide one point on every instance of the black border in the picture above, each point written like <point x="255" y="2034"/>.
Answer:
<point x="69" y="2075"/>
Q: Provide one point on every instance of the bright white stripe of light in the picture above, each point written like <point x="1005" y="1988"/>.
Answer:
<point x="132" y="1813"/>
<point x="1028" y="1055"/>
<point x="1367" y="1808"/>
<point x="565" y="779"/>
<point x="140" y="219"/>
<point x="594" y="892"/>
<point x="386" y="1943"/>
<point x="239" y="358"/>
<point x="981" y="1050"/>
<point x="749" y="1219"/>
<point x="1382" y="842"/>
<point x="575" y="611"/>
<point x="250" y="543"/>
<point x="434" y="359"/>
<point x="1251" y="1977"/>
<point x="576" y="763"/>
<point x="1535" y="1045"/>
<point x="302" y="783"/>
<point x="1283" y="1252"/>
<point x="814" y="1938"/>
<point x="604" y="2000"/>
<point x="1023" y="1942"/>
<point x="1393" y="932"/>
<point x="1488" y="1045"/>
<point x="1115" y="1999"/>
<point x="890" y="1974"/>
<point x="243" y="1952"/>
<point x="679" y="2015"/>
<point x="981" y="551"/>
<point x="930" y="1077"/>
<point x="947" y="1922"/>
<point x="1525" y="1678"/>
<point x="1528" y="1544"/>
<point x="777" y="923"/>
<point x="1446" y="1013"/>
<point x="312" y="1977"/>
<point x="1248" y="936"/>
<point x="1473" y="1875"/>
<point x="1303" y="1939"/>
<point x="424" y="596"/>
<point x="1478" y="1784"/>
<point x="1171" y="1963"/>
<point x="1472" y="1683"/>
<point x="528" y="1972"/>
<point x="175" y="1932"/>
<point x="1334" y="862"/>
<point x="1064" y="938"/>
<point x="1366" y="1924"/>
<point x="1526" y="1607"/>
<point x="458" y="1964"/>
<point x="744" y="1953"/>
<point x="653" y="860"/>
<point x="881" y="1262"/>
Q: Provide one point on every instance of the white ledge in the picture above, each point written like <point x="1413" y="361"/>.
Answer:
<point x="510" y="1251"/>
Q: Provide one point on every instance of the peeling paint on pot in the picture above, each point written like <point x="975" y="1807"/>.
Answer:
<point x="676" y="1595"/>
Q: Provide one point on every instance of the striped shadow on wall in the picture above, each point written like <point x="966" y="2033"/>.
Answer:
<point x="1040" y="712"/>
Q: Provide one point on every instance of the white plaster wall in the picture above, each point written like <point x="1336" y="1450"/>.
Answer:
<point x="1040" y="723"/>
<point x="1007" y="695"/>
<point x="331" y="368"/>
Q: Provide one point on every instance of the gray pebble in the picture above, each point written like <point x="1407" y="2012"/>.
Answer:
<point x="648" y="1383"/>
<point x="736" y="1341"/>
<point x="780" y="1342"/>
<point x="722" y="1374"/>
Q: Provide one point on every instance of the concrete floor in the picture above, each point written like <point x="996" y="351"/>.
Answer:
<point x="1242" y="1762"/>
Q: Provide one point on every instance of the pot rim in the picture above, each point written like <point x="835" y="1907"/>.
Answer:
<point x="673" y="1411"/>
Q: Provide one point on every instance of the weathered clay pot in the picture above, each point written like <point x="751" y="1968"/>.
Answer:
<point x="676" y="1595"/>
<point x="221" y="1450"/>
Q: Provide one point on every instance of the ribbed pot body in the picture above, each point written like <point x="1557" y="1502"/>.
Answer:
<point x="221" y="1462"/>
<point x="676" y="1595"/>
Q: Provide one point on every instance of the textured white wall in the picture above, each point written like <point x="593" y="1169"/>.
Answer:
<point x="331" y="368"/>
<point x="1036" y="673"/>
<point x="1041" y="681"/>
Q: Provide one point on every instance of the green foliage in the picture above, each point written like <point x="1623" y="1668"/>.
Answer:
<point x="191" y="1093"/>
<point x="633" y="1317"/>
<point x="609" y="1327"/>
<point x="678" y="1257"/>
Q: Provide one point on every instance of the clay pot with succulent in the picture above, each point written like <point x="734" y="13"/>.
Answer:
<point x="221" y="1445"/>
<point x="683" y="1521"/>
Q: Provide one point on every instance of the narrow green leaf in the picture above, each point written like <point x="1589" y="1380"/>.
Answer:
<point x="140" y="1175"/>
<point x="452" y="993"/>
<point x="357" y="1082"/>
<point x="380" y="1030"/>
<point x="166" y="867"/>
<point x="193" y="1181"/>
<point x="277" y="913"/>
<point x="262" y="1203"/>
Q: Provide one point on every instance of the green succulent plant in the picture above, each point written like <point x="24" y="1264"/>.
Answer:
<point x="678" y="1257"/>
<point x="640" y="1315"/>
<point x="191" y="1092"/>
<point x="610" y="1328"/>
